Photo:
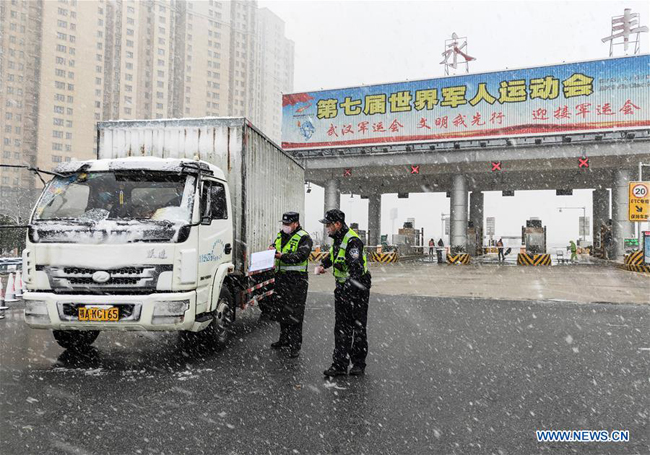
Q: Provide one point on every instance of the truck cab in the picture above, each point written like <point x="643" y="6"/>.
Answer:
<point x="138" y="243"/>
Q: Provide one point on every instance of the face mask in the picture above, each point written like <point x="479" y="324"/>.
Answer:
<point x="286" y="229"/>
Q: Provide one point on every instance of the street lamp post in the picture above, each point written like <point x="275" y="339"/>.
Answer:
<point x="442" y="233"/>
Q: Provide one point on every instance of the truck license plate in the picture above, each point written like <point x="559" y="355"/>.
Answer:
<point x="99" y="314"/>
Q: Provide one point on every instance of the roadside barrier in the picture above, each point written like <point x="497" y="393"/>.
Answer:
<point x="18" y="284"/>
<point x="384" y="258"/>
<point x="461" y="258"/>
<point x="634" y="263"/>
<point x="373" y="256"/>
<point x="317" y="257"/>
<point x="10" y="295"/>
<point x="635" y="258"/>
<point x="534" y="260"/>
<point x="2" y="301"/>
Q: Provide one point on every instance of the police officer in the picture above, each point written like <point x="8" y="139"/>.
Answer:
<point x="350" y="267"/>
<point x="293" y="246"/>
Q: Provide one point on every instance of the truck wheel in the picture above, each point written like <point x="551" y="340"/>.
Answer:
<point x="73" y="339"/>
<point x="224" y="315"/>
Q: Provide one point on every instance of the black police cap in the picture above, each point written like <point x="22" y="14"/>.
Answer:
<point x="332" y="216"/>
<point x="290" y="217"/>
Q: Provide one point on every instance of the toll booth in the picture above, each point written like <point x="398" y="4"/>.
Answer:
<point x="362" y="233"/>
<point x="533" y="236"/>
<point x="409" y="240"/>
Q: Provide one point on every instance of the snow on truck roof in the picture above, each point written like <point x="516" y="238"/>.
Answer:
<point x="149" y="163"/>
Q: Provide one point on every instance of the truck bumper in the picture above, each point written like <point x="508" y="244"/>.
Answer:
<point x="160" y="312"/>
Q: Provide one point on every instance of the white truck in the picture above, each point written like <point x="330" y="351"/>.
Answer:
<point x="156" y="234"/>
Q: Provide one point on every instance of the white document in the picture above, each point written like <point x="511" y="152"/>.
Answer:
<point x="262" y="260"/>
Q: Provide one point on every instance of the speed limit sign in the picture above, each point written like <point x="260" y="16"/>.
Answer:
<point x="639" y="201"/>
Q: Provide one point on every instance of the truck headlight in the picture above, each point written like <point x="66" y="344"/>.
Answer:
<point x="170" y="312"/>
<point x="36" y="312"/>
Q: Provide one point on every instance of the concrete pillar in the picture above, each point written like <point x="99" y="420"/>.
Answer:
<point x="600" y="201"/>
<point x="332" y="201"/>
<point x="374" y="219"/>
<point x="459" y="214"/>
<point x="476" y="217"/>
<point x="622" y="228"/>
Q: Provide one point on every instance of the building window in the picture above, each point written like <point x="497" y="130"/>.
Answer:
<point x="57" y="146"/>
<point x="56" y="158"/>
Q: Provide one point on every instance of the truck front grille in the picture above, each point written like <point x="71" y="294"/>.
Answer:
<point x="137" y="278"/>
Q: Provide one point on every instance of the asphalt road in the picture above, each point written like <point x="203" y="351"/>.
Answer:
<point x="445" y="376"/>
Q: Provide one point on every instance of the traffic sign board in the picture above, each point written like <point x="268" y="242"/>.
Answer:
<point x="639" y="201"/>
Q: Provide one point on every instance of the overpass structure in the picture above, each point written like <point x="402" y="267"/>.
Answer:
<point x="558" y="137"/>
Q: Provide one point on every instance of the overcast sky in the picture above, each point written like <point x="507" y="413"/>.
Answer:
<point x="342" y="44"/>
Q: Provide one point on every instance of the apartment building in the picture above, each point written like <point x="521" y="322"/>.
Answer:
<point x="67" y="64"/>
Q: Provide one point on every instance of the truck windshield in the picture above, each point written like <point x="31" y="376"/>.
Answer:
<point x="133" y="195"/>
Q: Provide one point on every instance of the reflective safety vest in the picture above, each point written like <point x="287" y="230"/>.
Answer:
<point x="340" y="267"/>
<point x="290" y="247"/>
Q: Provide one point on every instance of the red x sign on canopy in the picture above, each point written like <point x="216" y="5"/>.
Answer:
<point x="415" y="169"/>
<point x="347" y="172"/>
<point x="496" y="166"/>
<point x="583" y="163"/>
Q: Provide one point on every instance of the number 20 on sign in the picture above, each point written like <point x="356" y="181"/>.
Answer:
<point x="639" y="201"/>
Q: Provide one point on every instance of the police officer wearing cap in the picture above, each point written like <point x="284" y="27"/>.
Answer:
<point x="293" y="246"/>
<point x="350" y="267"/>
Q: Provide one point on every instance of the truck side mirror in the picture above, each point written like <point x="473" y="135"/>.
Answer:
<point x="206" y="220"/>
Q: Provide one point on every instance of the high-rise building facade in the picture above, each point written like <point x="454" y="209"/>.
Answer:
<point x="274" y="56"/>
<point x="67" y="64"/>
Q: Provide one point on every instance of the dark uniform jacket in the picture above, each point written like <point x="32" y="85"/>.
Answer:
<point x="291" y="287"/>
<point x="353" y="257"/>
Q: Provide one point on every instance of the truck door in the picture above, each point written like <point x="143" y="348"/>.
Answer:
<point x="215" y="232"/>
